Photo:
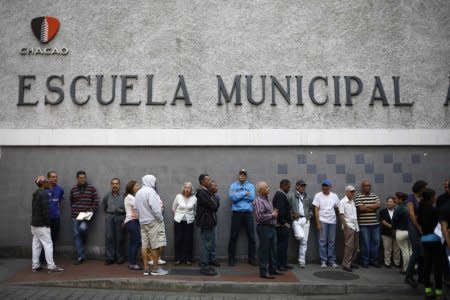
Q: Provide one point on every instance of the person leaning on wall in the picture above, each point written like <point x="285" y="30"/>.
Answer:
<point x="183" y="209"/>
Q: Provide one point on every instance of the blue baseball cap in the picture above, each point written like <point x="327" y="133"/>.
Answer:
<point x="326" y="182"/>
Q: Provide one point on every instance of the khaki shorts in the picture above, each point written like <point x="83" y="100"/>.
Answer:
<point x="153" y="235"/>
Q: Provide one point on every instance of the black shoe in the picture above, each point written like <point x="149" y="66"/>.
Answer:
<point x="276" y="273"/>
<point x="411" y="282"/>
<point x="214" y="263"/>
<point x="79" y="261"/>
<point x="120" y="261"/>
<point x="231" y="263"/>
<point x="354" y="266"/>
<point x="253" y="262"/>
<point x="376" y="265"/>
<point x="177" y="263"/>
<point x="189" y="263"/>
<point x="208" y="271"/>
<point x="347" y="269"/>
<point x="109" y="262"/>
<point x="288" y="267"/>
<point x="267" y="277"/>
<point x="387" y="266"/>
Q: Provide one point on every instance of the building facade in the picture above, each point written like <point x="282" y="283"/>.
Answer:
<point x="345" y="90"/>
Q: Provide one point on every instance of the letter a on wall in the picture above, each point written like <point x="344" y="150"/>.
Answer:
<point x="45" y="28"/>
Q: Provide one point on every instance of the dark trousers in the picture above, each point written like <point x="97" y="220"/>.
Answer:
<point x="433" y="258"/>
<point x="267" y="251"/>
<point x="183" y="240"/>
<point x="238" y="220"/>
<point x="55" y="225"/>
<point x="282" y="245"/>
<point x="206" y="246"/>
<point x="417" y="252"/>
<point x="134" y="244"/>
<point x="114" y="237"/>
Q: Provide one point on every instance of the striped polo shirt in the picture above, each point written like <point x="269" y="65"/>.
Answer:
<point x="367" y="218"/>
<point x="82" y="199"/>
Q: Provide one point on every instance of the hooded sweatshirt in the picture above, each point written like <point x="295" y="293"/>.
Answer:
<point x="148" y="203"/>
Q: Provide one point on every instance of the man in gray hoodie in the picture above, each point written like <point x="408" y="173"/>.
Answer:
<point x="153" y="234"/>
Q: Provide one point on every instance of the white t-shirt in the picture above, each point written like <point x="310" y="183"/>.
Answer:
<point x="130" y="208"/>
<point x="326" y="205"/>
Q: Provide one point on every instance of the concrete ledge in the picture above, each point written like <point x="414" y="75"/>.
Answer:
<point x="230" y="287"/>
<point x="224" y="137"/>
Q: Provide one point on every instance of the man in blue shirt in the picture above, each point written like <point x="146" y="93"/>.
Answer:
<point x="55" y="198"/>
<point x="242" y="194"/>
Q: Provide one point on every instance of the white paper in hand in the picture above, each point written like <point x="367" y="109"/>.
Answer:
<point x="82" y="216"/>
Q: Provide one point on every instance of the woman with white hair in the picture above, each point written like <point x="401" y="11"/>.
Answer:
<point x="183" y="209"/>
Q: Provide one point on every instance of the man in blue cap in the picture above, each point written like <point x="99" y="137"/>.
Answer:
<point x="326" y="204"/>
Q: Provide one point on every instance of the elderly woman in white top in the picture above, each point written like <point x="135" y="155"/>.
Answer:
<point x="183" y="209"/>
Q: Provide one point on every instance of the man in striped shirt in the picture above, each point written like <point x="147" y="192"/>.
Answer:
<point x="83" y="198"/>
<point x="367" y="204"/>
<point x="266" y="218"/>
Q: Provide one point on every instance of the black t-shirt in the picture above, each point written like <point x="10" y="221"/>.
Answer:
<point x="428" y="217"/>
<point x="444" y="212"/>
<point x="281" y="203"/>
<point x="442" y="200"/>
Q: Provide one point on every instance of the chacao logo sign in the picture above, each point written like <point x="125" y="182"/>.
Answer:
<point x="44" y="29"/>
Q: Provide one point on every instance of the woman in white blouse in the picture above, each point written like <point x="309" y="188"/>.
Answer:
<point x="132" y="224"/>
<point x="183" y="209"/>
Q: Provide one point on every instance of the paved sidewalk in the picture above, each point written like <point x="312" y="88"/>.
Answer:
<point x="242" y="279"/>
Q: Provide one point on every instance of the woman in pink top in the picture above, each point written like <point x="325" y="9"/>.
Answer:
<point x="132" y="224"/>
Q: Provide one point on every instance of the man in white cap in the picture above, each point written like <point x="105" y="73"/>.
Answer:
<point x="349" y="222"/>
<point x="153" y="234"/>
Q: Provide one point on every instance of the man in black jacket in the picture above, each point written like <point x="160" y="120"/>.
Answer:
<point x="280" y="202"/>
<point x="40" y="227"/>
<point x="206" y="219"/>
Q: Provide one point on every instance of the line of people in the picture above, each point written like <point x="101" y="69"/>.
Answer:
<point x="406" y="225"/>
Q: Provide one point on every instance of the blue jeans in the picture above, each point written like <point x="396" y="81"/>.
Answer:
<point x="206" y="246"/>
<point x="370" y="244"/>
<point x="417" y="253"/>
<point x="79" y="231"/>
<point x="212" y="254"/>
<point x="134" y="229"/>
<point x="327" y="241"/>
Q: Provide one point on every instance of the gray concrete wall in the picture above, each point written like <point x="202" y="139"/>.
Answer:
<point x="390" y="169"/>
<point x="200" y="39"/>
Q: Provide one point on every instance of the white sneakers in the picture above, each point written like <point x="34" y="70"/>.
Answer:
<point x="55" y="269"/>
<point x="324" y="265"/>
<point x="160" y="262"/>
<point x="159" y="272"/>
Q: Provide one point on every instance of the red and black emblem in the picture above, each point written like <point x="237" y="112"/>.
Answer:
<point x="45" y="28"/>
